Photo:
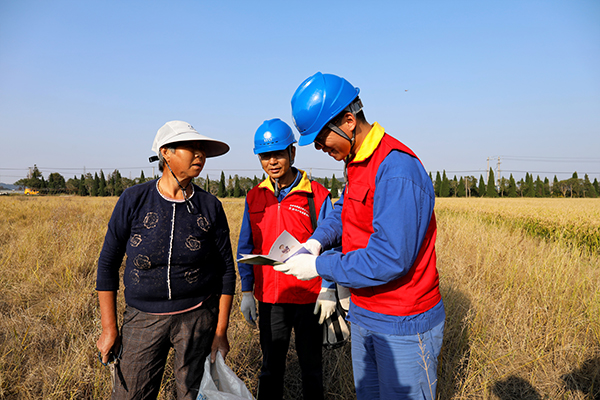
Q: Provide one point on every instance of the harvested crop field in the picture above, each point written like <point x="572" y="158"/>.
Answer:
<point x="520" y="280"/>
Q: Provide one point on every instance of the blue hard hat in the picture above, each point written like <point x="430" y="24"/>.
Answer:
<point x="273" y="135"/>
<point x="317" y="100"/>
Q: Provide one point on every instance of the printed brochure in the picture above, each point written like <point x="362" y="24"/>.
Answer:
<point x="284" y="247"/>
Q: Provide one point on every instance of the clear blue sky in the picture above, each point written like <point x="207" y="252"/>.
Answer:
<point x="88" y="83"/>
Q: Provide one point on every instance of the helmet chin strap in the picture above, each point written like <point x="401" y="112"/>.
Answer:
<point x="353" y="108"/>
<point x="349" y="157"/>
<point x="350" y="139"/>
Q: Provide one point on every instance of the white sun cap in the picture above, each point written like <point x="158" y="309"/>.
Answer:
<point x="180" y="131"/>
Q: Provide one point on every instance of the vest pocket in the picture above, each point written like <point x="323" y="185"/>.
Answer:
<point x="358" y="192"/>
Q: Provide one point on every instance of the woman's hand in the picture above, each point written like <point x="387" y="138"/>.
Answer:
<point x="109" y="341"/>
<point x="220" y="343"/>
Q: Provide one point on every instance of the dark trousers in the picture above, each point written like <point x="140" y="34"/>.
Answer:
<point x="147" y="339"/>
<point x="275" y="323"/>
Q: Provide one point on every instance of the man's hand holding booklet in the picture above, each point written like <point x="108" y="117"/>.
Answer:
<point x="284" y="247"/>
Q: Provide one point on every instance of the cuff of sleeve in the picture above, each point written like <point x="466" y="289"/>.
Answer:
<point x="247" y="286"/>
<point x="327" y="284"/>
<point x="323" y="269"/>
<point x="321" y="238"/>
<point x="107" y="286"/>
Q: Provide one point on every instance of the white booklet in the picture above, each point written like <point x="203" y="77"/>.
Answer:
<point x="284" y="247"/>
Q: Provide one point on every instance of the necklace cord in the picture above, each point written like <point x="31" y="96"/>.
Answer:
<point x="189" y="205"/>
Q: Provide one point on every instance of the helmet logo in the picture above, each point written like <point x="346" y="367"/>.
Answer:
<point x="268" y="136"/>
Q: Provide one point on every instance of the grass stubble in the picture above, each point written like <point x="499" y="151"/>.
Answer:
<point x="523" y="305"/>
<point x="523" y="312"/>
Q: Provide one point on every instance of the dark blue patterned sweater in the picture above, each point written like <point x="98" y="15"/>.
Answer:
<point x="175" y="259"/>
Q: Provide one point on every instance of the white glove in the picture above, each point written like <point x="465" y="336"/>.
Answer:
<point x="326" y="302"/>
<point x="313" y="246"/>
<point x="302" y="266"/>
<point x="248" y="308"/>
<point x="344" y="296"/>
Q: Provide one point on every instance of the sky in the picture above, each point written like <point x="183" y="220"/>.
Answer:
<point x="85" y="85"/>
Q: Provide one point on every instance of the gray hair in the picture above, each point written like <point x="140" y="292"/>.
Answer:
<point x="161" y="159"/>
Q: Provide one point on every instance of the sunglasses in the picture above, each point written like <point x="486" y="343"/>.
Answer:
<point x="319" y="141"/>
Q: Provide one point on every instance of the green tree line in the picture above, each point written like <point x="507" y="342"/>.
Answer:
<point x="114" y="184"/>
<point x="85" y="185"/>
<point x="240" y="186"/>
<point x="470" y="186"/>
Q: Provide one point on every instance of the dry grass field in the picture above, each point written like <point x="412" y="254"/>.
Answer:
<point x="520" y="280"/>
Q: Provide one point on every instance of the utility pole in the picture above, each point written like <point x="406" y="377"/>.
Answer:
<point x="487" y="171"/>
<point x="498" y="170"/>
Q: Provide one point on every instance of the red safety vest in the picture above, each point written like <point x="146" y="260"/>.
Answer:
<point x="268" y="218"/>
<point x="418" y="290"/>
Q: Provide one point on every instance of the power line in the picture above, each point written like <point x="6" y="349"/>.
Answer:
<point x="551" y="172"/>
<point x="551" y="159"/>
<point x="524" y="171"/>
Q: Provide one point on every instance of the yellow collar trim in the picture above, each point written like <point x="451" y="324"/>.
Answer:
<point x="370" y="143"/>
<point x="303" y="185"/>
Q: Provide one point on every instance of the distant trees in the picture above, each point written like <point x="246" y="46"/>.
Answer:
<point x="34" y="179"/>
<point x="529" y="188"/>
<point x="82" y="190"/>
<point x="56" y="183"/>
<point x="113" y="184"/>
<point x="85" y="185"/>
<point x="237" y="190"/>
<point x="116" y="183"/>
<point x="588" y="188"/>
<point x="437" y="184"/>
<point x="95" y="184"/>
<point x="98" y="185"/>
<point x="503" y="187"/>
<point x="471" y="186"/>
<point x="555" y="187"/>
<point x="512" y="187"/>
<point x="481" y="188"/>
<point x="222" y="192"/>
<point x="102" y="184"/>
<point x="491" y="185"/>
<point x="461" y="190"/>
<point x="335" y="188"/>
<point x="444" y="186"/>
